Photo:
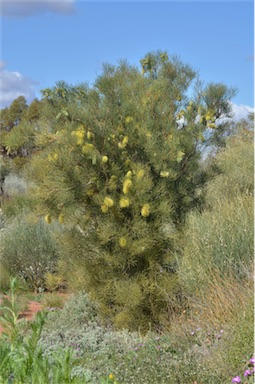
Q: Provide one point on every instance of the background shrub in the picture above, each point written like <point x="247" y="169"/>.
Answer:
<point x="28" y="249"/>
<point x="14" y="185"/>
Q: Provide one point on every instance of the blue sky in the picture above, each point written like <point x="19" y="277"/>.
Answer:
<point x="44" y="41"/>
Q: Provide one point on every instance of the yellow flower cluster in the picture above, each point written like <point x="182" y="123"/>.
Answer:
<point x="47" y="219"/>
<point x="129" y="119"/>
<point x="126" y="186"/>
<point x="140" y="174"/>
<point x="53" y="157"/>
<point x="105" y="159"/>
<point x="108" y="201"/>
<point x="124" y="142"/>
<point x="61" y="218"/>
<point x="122" y="242"/>
<point x="87" y="148"/>
<point x="104" y="208"/>
<point x="80" y="136"/>
<point x="124" y="202"/>
<point x="90" y="135"/>
<point x="145" y="211"/>
<point x="180" y="114"/>
<point x="164" y="173"/>
<point x="180" y="156"/>
<point x="209" y="116"/>
<point x="189" y="107"/>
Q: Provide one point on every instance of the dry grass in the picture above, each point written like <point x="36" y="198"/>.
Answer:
<point x="214" y="306"/>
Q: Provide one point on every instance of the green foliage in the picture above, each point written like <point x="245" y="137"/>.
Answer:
<point x="22" y="360"/>
<point x="4" y="279"/>
<point x="121" y="172"/>
<point x="20" y="140"/>
<point x="28" y="249"/>
<point x="9" y="318"/>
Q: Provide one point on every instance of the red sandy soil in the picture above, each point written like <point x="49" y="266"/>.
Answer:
<point x="33" y="308"/>
<point x="29" y="314"/>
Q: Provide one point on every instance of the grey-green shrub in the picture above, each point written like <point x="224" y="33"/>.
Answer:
<point x="130" y="357"/>
<point x="28" y="249"/>
<point x="15" y="185"/>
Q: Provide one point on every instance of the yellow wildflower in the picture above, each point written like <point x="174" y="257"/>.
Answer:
<point x="90" y="135"/>
<point x="129" y="174"/>
<point x="145" y="211"/>
<point x="126" y="186"/>
<point x="105" y="159"/>
<point x="87" y="148"/>
<point x="140" y="174"/>
<point x="111" y="376"/>
<point x="180" y="156"/>
<point x="125" y="140"/>
<point x="122" y="242"/>
<point x="124" y="202"/>
<point x="80" y="136"/>
<point x="129" y="119"/>
<point x="164" y="174"/>
<point x="47" y="218"/>
<point x="104" y="208"/>
<point x="190" y="106"/>
<point x="61" y="218"/>
<point x="108" y="201"/>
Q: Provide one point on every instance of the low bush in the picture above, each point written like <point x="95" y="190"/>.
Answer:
<point x="15" y="185"/>
<point x="28" y="250"/>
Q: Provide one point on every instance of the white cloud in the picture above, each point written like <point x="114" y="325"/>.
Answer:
<point x="241" y="111"/>
<point x="26" y="8"/>
<point x="14" y="84"/>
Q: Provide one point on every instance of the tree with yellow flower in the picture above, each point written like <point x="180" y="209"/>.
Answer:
<point x="125" y="175"/>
